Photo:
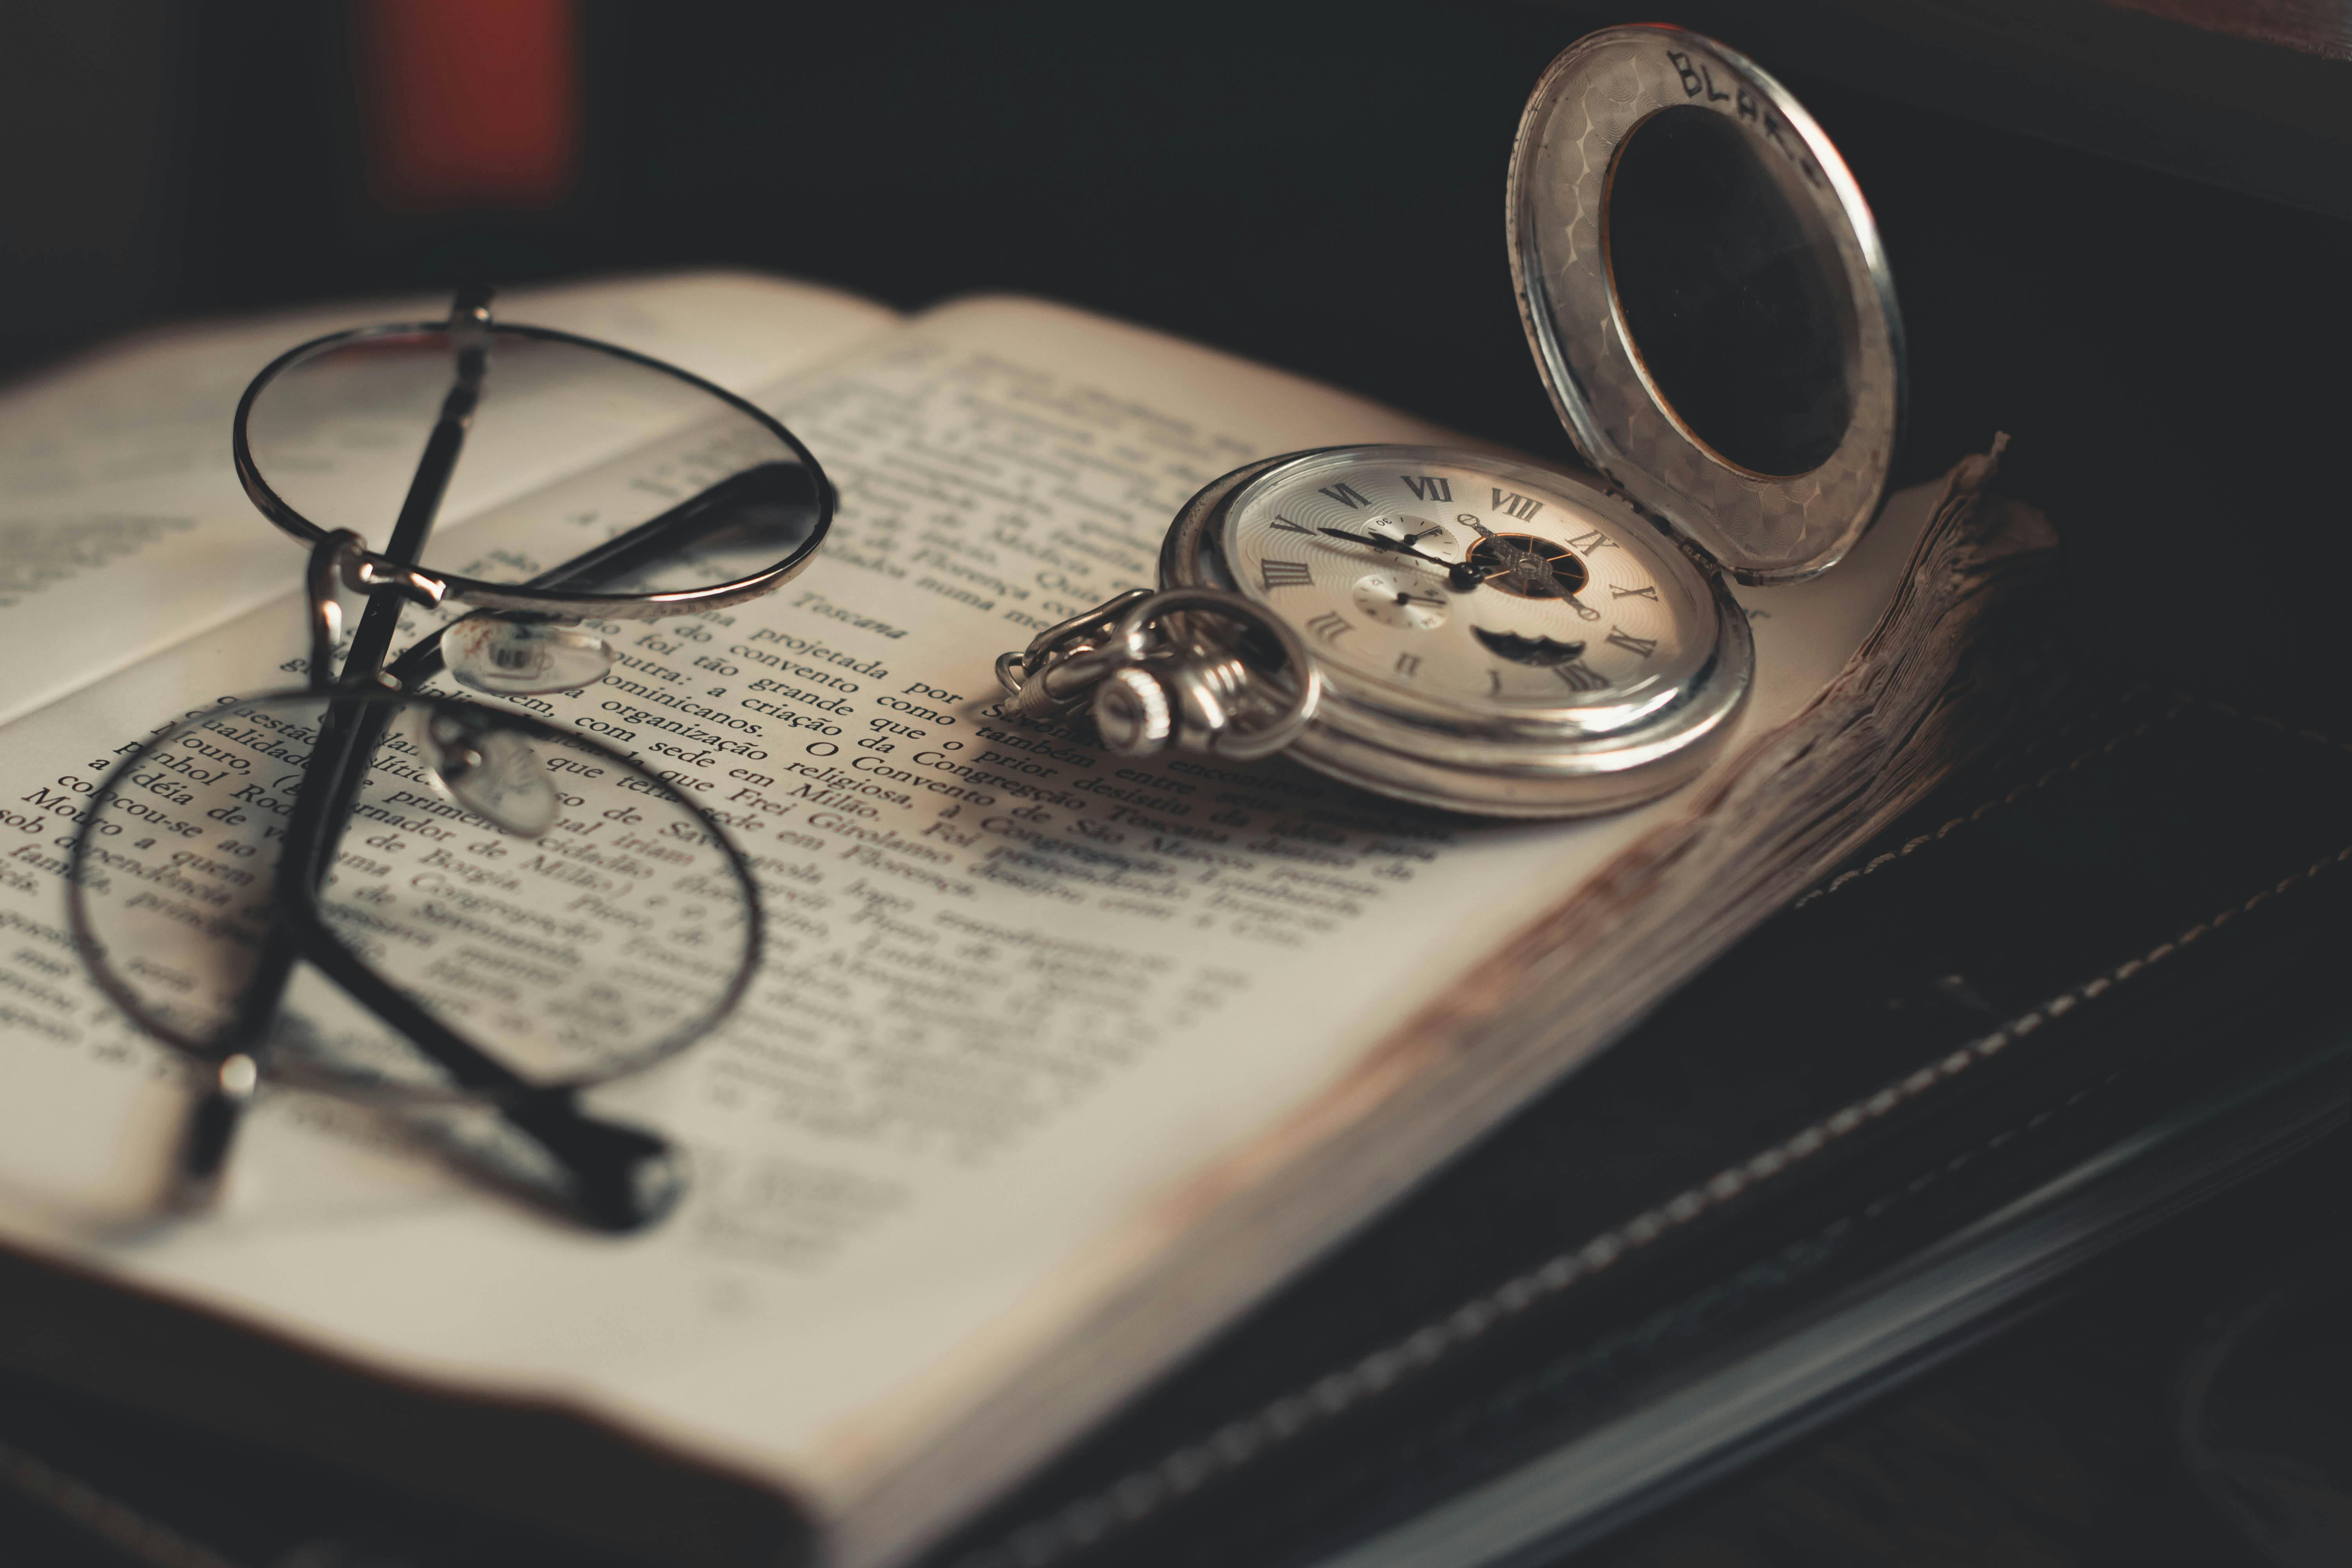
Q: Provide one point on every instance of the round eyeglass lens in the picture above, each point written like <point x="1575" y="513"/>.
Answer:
<point x="549" y="904"/>
<point x="570" y="444"/>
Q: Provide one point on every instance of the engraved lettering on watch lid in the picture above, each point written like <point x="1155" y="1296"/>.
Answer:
<point x="1706" y="298"/>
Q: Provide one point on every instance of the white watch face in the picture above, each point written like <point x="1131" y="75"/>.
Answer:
<point x="1487" y="586"/>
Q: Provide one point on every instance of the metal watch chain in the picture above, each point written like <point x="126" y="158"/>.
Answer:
<point x="1168" y="669"/>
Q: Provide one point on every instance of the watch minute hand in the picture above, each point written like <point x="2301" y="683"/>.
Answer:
<point x="1396" y="546"/>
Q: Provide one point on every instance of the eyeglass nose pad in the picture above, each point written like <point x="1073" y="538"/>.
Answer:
<point x="523" y="657"/>
<point x="495" y="773"/>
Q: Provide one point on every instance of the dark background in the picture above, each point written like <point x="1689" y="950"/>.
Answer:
<point x="1318" y="185"/>
<point x="2124" y="238"/>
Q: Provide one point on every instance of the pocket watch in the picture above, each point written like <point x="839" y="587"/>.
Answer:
<point x="1710" y="310"/>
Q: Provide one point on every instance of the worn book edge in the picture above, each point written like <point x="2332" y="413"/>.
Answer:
<point x="1498" y="1036"/>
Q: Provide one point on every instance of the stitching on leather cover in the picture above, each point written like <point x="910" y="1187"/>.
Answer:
<point x="1692" y="1312"/>
<point x="2009" y="797"/>
<point x="2318" y="736"/>
<point x="2181" y="701"/>
<point x="1143" y="1491"/>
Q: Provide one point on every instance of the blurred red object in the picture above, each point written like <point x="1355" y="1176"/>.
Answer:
<point x="469" y="103"/>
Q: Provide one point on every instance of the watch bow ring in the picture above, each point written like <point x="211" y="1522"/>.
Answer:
<point x="1186" y="667"/>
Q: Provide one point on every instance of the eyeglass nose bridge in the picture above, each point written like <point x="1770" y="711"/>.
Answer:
<point x="369" y="571"/>
<point x="342" y="560"/>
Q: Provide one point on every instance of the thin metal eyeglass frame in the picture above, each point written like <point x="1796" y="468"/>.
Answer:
<point x="615" y="1170"/>
<point x="533" y="595"/>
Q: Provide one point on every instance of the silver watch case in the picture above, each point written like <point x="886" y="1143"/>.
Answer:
<point x="1534" y="763"/>
<point x="1651" y="466"/>
<point x="1579" y="123"/>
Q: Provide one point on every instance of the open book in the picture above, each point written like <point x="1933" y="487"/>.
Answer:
<point x="1055" y="1062"/>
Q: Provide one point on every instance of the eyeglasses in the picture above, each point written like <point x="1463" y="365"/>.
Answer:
<point x="413" y="898"/>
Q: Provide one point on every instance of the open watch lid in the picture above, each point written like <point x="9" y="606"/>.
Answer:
<point x="1708" y="299"/>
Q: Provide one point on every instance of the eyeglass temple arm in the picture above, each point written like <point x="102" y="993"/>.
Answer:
<point x="340" y="561"/>
<point x="622" y="555"/>
<point x="619" y="1178"/>
<point x="470" y="321"/>
<point x="606" y="1161"/>
<point x="329" y="781"/>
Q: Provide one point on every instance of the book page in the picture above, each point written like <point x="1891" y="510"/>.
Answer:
<point x="1017" y="991"/>
<point x="123" y="528"/>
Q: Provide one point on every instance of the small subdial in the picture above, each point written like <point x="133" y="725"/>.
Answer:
<point x="1397" y="600"/>
<point x="1419" y="533"/>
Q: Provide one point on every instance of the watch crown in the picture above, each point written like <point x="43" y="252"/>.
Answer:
<point x="1132" y="712"/>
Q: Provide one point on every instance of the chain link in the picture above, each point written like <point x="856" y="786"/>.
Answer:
<point x="1199" y="669"/>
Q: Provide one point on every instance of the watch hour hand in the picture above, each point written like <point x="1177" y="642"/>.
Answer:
<point x="1462" y="576"/>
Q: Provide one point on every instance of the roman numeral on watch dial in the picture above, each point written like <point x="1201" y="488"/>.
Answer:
<point x="1284" y="574"/>
<point x="1284" y="525"/>
<point x="1591" y="542"/>
<point x="1646" y="591"/>
<point x="1347" y="495"/>
<point x="1645" y="647"/>
<point x="1579" y="676"/>
<point x="1330" y="626"/>
<point x="1427" y="487"/>
<point x="1519" y="506"/>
